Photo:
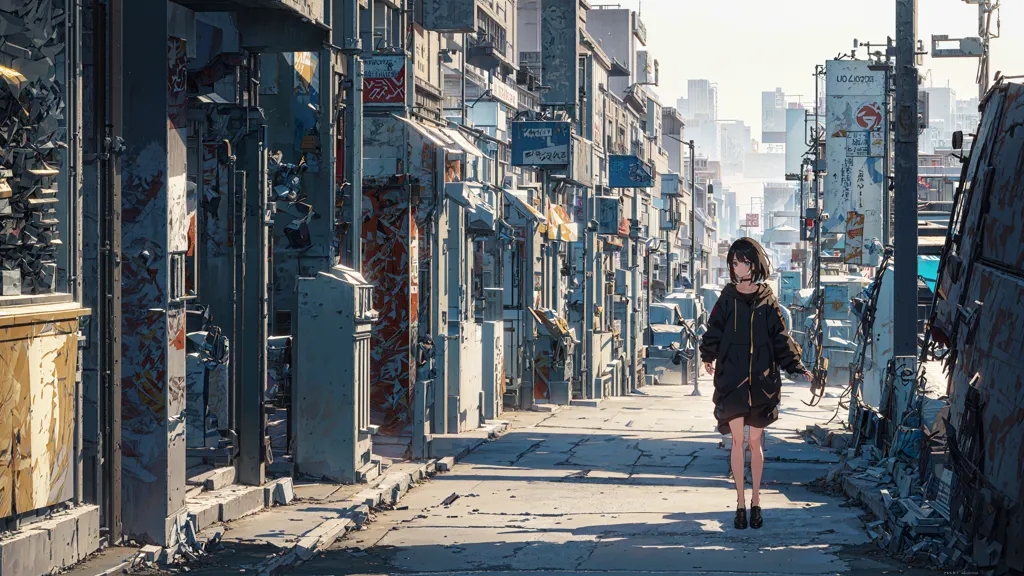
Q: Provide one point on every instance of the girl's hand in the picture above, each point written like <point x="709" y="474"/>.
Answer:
<point x="709" y="367"/>
<point x="810" y="377"/>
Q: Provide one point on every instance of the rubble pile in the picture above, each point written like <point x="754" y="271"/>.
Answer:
<point x="908" y="525"/>
<point x="32" y="133"/>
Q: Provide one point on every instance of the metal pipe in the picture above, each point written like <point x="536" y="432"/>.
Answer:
<point x="693" y="252"/>
<point x="110" y="242"/>
<point x="905" y="205"/>
<point x="886" y="197"/>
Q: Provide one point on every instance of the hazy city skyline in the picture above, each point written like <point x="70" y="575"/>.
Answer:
<point x="776" y="45"/>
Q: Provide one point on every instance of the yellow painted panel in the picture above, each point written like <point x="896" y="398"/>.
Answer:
<point x="37" y="396"/>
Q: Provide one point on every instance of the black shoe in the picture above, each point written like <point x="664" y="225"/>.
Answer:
<point x="741" y="519"/>
<point x="756" y="521"/>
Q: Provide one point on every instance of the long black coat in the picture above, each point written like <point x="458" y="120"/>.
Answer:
<point x="748" y="343"/>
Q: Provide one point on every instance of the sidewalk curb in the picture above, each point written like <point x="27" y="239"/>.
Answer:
<point x="389" y="492"/>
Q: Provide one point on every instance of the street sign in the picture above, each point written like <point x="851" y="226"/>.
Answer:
<point x="753" y="220"/>
<point x="541" y="144"/>
<point x="856" y="132"/>
<point x="628" y="172"/>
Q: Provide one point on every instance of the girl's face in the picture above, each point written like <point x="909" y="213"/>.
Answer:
<point x="740" y="268"/>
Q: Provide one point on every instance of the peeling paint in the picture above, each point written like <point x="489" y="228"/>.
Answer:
<point x="38" y="363"/>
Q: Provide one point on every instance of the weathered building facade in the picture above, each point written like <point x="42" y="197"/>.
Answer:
<point x="245" y="242"/>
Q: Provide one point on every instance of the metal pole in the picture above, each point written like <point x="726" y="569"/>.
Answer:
<point x="693" y="211"/>
<point x="905" y="205"/>
<point x="886" y="196"/>
<point x="983" y="31"/>
<point x="110" y="293"/>
<point x="354" y="128"/>
<point x="693" y="252"/>
<point x="462" y="96"/>
<point x="802" y="214"/>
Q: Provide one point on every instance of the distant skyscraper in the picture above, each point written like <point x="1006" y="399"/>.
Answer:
<point x="702" y="97"/>
<point x="773" y="117"/>
<point x="683" y="107"/>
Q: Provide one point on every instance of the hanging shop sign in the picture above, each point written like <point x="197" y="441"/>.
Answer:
<point x="384" y="80"/>
<point x="856" y="129"/>
<point x="541" y="144"/>
<point x="628" y="172"/>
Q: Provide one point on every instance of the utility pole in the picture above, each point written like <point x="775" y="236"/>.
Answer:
<point x="985" y="10"/>
<point x="693" y="252"/>
<point x="905" y="204"/>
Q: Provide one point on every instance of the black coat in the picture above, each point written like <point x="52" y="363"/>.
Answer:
<point x="748" y="343"/>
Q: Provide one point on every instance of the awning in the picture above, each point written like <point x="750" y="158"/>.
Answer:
<point x="430" y="134"/>
<point x="561" y="228"/>
<point x="523" y="207"/>
<point x="463" y="142"/>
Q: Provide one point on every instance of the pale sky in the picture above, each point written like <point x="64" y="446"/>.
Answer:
<point x="750" y="46"/>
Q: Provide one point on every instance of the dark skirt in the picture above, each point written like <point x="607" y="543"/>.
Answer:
<point x="757" y="416"/>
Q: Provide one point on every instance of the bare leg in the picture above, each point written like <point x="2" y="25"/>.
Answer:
<point x="736" y="458"/>
<point x="756" y="463"/>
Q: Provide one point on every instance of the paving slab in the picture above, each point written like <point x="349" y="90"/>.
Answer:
<point x="634" y="485"/>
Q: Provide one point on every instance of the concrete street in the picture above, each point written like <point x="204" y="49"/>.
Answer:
<point x="637" y="485"/>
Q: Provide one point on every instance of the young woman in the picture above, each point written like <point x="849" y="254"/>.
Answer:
<point x="745" y="345"/>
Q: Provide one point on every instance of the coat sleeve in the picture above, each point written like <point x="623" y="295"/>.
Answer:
<point x="711" y="339"/>
<point x="787" y="351"/>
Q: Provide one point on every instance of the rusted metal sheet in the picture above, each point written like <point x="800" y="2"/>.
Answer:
<point x="38" y="364"/>
<point x="993" y="347"/>
<point x="978" y="312"/>
<point x="1003" y="221"/>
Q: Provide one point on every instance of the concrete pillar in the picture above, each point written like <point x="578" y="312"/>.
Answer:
<point x="154" y="237"/>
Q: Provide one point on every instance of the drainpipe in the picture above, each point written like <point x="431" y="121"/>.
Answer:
<point x="352" y="48"/>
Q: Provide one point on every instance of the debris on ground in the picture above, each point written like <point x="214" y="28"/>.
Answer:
<point x="909" y="527"/>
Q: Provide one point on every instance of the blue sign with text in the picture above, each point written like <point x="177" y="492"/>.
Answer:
<point x="628" y="172"/>
<point x="541" y="144"/>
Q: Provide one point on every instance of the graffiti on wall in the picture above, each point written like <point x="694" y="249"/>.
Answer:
<point x="388" y="229"/>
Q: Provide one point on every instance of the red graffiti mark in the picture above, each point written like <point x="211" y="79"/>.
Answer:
<point x="869" y="117"/>
<point x="385" y="90"/>
<point x="179" y="339"/>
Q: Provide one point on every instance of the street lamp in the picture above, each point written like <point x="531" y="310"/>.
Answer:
<point x="693" y="271"/>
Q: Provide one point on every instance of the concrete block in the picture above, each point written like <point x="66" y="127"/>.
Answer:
<point x="547" y="408"/>
<point x="218" y="479"/>
<point x="587" y="403"/>
<point x="25" y="552"/>
<point x="280" y="492"/>
<point x="419" y="473"/>
<point x="203" y="512"/>
<point x="88" y="529"/>
<point x="10" y="282"/>
<point x="446" y="464"/>
<point x="560" y="392"/>
<point x="240" y="502"/>
<point x="394" y="486"/>
<point x="371" y="498"/>
<point x="321" y="537"/>
<point x="62" y="532"/>
<point x="151" y="553"/>
<point x="431" y="467"/>
<point x="455" y="445"/>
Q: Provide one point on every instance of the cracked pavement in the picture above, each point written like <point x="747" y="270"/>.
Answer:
<point x="638" y="485"/>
